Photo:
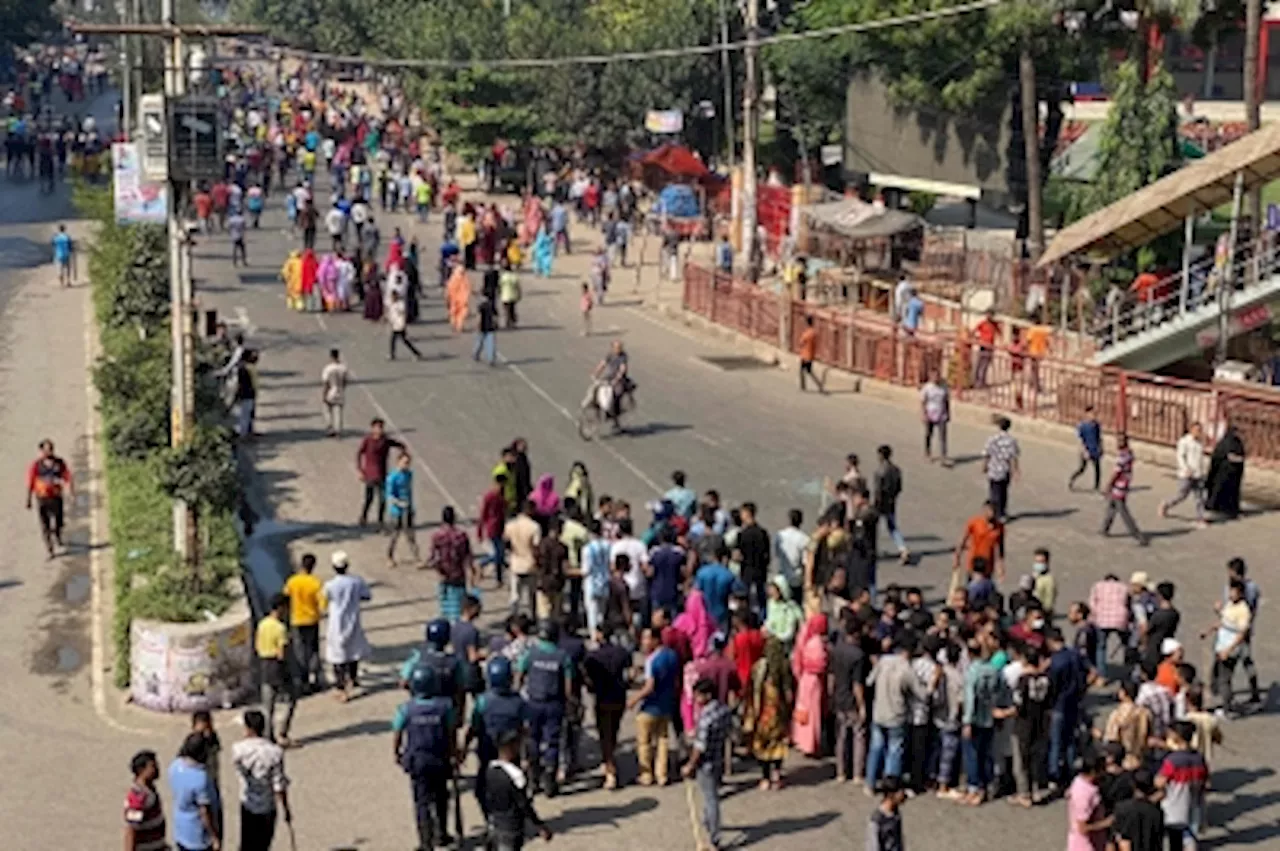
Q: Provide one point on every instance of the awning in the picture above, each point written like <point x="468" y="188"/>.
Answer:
<point x="1161" y="207"/>
<point x="859" y="220"/>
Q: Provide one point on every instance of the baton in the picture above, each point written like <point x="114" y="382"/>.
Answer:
<point x="457" y="806"/>
<point x="293" y="838"/>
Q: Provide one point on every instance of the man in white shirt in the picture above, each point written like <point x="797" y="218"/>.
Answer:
<point x="398" y="319"/>
<point x="335" y="221"/>
<point x="1190" y="457"/>
<point x="333" y="391"/>
<point x="638" y="556"/>
<point x="259" y="763"/>
<point x="789" y="547"/>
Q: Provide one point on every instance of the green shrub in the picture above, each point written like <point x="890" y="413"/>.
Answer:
<point x="128" y="268"/>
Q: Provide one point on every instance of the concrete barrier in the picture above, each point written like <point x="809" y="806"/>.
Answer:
<point x="183" y="667"/>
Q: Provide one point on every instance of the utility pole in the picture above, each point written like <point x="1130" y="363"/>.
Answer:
<point x="749" y="133"/>
<point x="1252" y="96"/>
<point x="182" y="403"/>
<point x="181" y="295"/>
<point x="1031" y="149"/>
<point x="726" y="71"/>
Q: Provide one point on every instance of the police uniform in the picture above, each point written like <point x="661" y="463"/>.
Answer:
<point x="495" y="712"/>
<point x="427" y="725"/>
<point x="544" y="668"/>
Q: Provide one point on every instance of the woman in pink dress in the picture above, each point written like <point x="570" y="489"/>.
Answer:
<point x="698" y="626"/>
<point x="809" y="665"/>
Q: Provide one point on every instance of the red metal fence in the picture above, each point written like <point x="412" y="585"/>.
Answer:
<point x="1147" y="407"/>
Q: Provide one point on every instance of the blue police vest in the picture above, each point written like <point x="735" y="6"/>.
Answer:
<point x="445" y="666"/>
<point x="500" y="713"/>
<point x="544" y="681"/>
<point x="426" y="735"/>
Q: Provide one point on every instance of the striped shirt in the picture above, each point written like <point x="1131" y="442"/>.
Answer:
<point x="144" y="815"/>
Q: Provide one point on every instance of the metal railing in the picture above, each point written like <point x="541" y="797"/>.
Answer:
<point x="1202" y="284"/>
<point x="1148" y="407"/>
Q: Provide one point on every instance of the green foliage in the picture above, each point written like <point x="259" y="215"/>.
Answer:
<point x="1138" y="143"/>
<point x="128" y="270"/>
<point x="202" y="472"/>
<point x="25" y="21"/>
<point x="599" y="105"/>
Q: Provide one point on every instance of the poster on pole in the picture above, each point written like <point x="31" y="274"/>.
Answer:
<point x="137" y="201"/>
<point x="664" y="121"/>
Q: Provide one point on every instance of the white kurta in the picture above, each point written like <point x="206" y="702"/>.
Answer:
<point x="344" y="637"/>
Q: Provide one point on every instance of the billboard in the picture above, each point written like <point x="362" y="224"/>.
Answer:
<point x="664" y="121"/>
<point x="137" y="201"/>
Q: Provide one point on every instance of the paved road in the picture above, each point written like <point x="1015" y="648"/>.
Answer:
<point x="745" y="431"/>
<point x="734" y="426"/>
<point x="51" y="737"/>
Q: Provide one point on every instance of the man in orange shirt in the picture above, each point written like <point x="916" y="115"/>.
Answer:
<point x="808" y="353"/>
<point x="986" y="331"/>
<point x="203" y="202"/>
<point x="1037" y="338"/>
<point x="984" y="539"/>
<point x="46" y="478"/>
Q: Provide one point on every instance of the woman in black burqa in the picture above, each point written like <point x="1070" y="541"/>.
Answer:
<point x="1226" y="474"/>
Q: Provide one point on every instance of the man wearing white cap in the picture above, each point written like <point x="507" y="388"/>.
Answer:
<point x="345" y="643"/>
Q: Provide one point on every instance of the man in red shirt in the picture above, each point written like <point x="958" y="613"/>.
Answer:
<point x="143" y="815"/>
<point x="371" y="467"/>
<point x="46" y="477"/>
<point x="203" y="202"/>
<point x="493" y="516"/>
<point x="986" y="331"/>
<point x="221" y="194"/>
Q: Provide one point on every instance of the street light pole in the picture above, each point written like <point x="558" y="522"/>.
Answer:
<point x="182" y="405"/>
<point x="749" y="133"/>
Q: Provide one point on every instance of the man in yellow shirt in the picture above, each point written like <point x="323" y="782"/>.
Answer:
<point x="305" y="607"/>
<point x="271" y="642"/>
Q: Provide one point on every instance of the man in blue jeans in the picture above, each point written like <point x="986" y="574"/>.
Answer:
<point x="895" y="683"/>
<point x="1069" y="675"/>
<point x="983" y="687"/>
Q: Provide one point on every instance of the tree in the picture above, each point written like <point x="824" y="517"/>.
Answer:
<point x="202" y="473"/>
<point x="1138" y="143"/>
<point x="25" y="21"/>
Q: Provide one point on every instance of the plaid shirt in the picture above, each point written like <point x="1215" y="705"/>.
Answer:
<point x="450" y="554"/>
<point x="1156" y="699"/>
<point x="714" y="724"/>
<point x="1109" y="604"/>
<point x="918" y="708"/>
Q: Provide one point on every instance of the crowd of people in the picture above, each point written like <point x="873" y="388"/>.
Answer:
<point x="740" y="646"/>
<point x="754" y="647"/>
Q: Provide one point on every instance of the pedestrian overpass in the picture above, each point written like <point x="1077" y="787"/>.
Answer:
<point x="1189" y="310"/>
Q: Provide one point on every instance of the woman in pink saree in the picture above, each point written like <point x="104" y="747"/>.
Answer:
<point x="696" y="623"/>
<point x="328" y="278"/>
<point x="698" y="626"/>
<point x="809" y="665"/>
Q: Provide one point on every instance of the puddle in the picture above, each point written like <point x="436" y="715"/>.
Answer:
<point x="68" y="659"/>
<point x="76" y="589"/>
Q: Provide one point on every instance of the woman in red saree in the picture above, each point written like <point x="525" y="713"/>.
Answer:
<point x="310" y="276"/>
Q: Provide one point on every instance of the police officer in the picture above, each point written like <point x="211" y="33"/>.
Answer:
<point x="434" y="655"/>
<point x="424" y="747"/>
<point x="545" y="670"/>
<point x="497" y="711"/>
<point x="576" y="649"/>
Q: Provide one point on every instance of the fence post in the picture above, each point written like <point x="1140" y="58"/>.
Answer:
<point x="1122" y="401"/>
<point x="784" y="320"/>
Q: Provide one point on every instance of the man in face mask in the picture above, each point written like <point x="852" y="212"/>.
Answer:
<point x="1046" y="586"/>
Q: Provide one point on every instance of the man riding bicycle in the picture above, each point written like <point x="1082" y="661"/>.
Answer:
<point x="613" y="371"/>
